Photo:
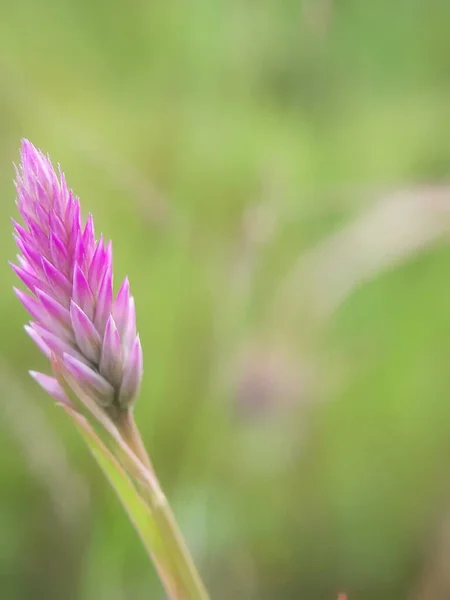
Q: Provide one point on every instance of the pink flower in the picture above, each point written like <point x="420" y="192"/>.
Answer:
<point x="77" y="322"/>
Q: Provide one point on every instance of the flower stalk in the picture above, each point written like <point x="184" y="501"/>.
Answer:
<point x="188" y="583"/>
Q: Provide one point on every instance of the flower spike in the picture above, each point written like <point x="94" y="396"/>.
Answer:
<point x="77" y="322"/>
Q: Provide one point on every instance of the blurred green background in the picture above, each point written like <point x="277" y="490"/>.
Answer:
<point x="275" y="177"/>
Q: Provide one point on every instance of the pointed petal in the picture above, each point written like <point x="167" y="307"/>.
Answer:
<point x="90" y="381"/>
<point x="104" y="302"/>
<point x="40" y="216"/>
<point x="132" y="375"/>
<point x="81" y="293"/>
<point x="58" y="253"/>
<point x="42" y="202"/>
<point x="22" y="205"/>
<point x="124" y="312"/>
<point x="86" y="335"/>
<point x="89" y="239"/>
<point x="108" y="257"/>
<point x="36" y="310"/>
<point x="33" y="257"/>
<point x="56" y="311"/>
<point x="38" y="341"/>
<point x="22" y="233"/>
<point x="111" y="355"/>
<point x="130" y="327"/>
<point x="71" y="215"/>
<point x="79" y="254"/>
<point x="56" y="344"/>
<point x="51" y="386"/>
<point x="24" y="263"/>
<point x="73" y="221"/>
<point x="96" y="268"/>
<point x="58" y="282"/>
<point x="40" y="240"/>
<point x="57" y="226"/>
<point x="35" y="165"/>
<point x="63" y="190"/>
<point x="121" y="306"/>
<point x="30" y="280"/>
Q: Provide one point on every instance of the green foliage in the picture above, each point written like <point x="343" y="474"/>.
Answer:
<point x="304" y="452"/>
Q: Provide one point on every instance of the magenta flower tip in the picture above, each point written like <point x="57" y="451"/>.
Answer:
<point x="77" y="323"/>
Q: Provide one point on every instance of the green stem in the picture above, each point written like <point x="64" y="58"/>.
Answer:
<point x="185" y="581"/>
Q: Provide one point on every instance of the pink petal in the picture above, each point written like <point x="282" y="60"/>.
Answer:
<point x="111" y="355"/>
<point x="24" y="263"/>
<point x="41" y="216"/>
<point x="36" y="310"/>
<point x="38" y="341"/>
<point x="22" y="233"/>
<point x="78" y="255"/>
<point x="57" y="226"/>
<point x="36" y="165"/>
<point x="56" y="344"/>
<point x="86" y="335"/>
<point x="63" y="195"/>
<point x="121" y="306"/>
<point x="89" y="239"/>
<point x="58" y="253"/>
<point x="73" y="222"/>
<point x="108" y="257"/>
<point x="51" y="386"/>
<point x="92" y="383"/>
<point x="132" y="375"/>
<point x="55" y="310"/>
<point x="81" y="293"/>
<point x="104" y="302"/>
<point x="130" y="328"/>
<point x="40" y="240"/>
<point x="30" y="280"/>
<point x="32" y="256"/>
<point x="58" y="282"/>
<point x="96" y="268"/>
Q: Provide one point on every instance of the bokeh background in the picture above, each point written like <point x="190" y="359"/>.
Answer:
<point x="276" y="180"/>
